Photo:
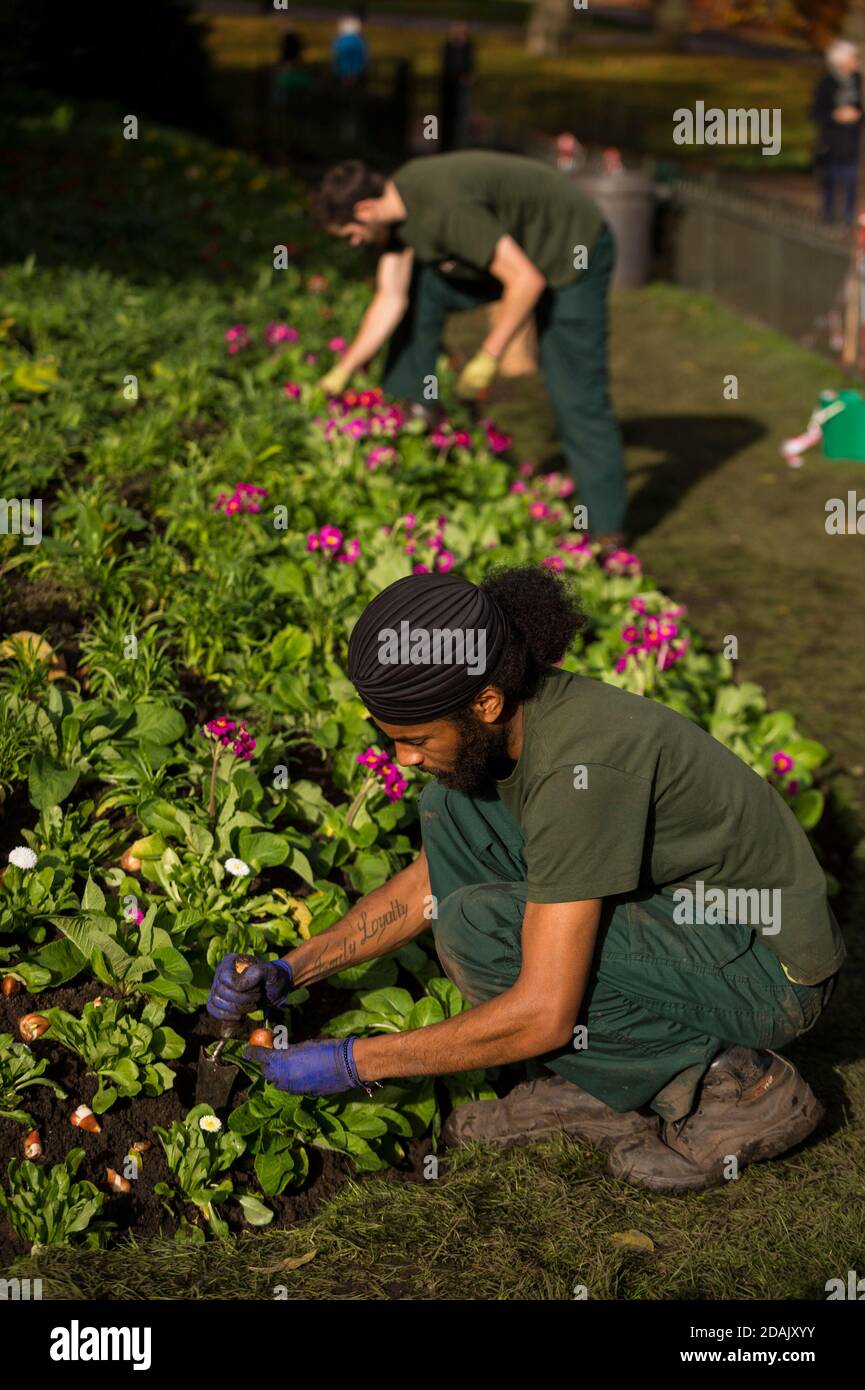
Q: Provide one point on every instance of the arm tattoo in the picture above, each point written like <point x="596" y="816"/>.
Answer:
<point x="335" y="956"/>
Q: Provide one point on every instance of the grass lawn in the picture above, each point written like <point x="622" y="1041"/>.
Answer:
<point x="729" y="529"/>
<point x="604" y="92"/>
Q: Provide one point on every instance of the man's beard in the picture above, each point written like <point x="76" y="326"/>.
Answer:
<point x="481" y="756"/>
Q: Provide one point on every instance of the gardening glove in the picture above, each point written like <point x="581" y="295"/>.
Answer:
<point x="233" y="995"/>
<point x="333" y="382"/>
<point x="476" y="376"/>
<point x="319" y="1068"/>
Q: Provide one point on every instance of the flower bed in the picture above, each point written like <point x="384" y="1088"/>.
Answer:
<point x="185" y="768"/>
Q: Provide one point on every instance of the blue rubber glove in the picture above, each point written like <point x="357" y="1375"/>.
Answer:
<point x="319" y="1068"/>
<point x="232" y="995"/>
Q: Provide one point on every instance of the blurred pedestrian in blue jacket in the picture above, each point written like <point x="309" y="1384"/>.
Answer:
<point x="349" y="51"/>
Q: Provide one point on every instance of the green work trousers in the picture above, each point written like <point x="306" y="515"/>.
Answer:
<point x="572" y="345"/>
<point x="662" y="999"/>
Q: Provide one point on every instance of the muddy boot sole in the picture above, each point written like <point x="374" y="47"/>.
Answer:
<point x="540" y="1109"/>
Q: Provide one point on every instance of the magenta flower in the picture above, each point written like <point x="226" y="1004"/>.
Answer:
<point x="292" y="389"/>
<point x="554" y="562"/>
<point x="409" y="521"/>
<point x="782" y="763"/>
<point x="330" y="537"/>
<point x="135" y="915"/>
<point x="243" y="746"/>
<point x="539" y="511"/>
<point x="379" y="454"/>
<point x="792" y="787"/>
<point x="518" y="487"/>
<point x="241" y="500"/>
<point x="444" y="561"/>
<point x="638" y="604"/>
<point x="622" y="562"/>
<point x="225" y="732"/>
<point x="337" y="344"/>
<point x="420" y="569"/>
<point x="222" y="730"/>
<point x="276" y="333"/>
<point x="311" y="358"/>
<point x="350" y="553"/>
<point x="237" y="338"/>
<point x="463" y="438"/>
<point x="395" y="785"/>
<point x="497" y="440"/>
<point x="526" y="470"/>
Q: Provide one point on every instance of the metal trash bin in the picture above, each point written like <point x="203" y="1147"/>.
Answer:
<point x="627" y="200"/>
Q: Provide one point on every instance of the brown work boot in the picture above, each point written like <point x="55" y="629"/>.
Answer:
<point x="537" y="1110"/>
<point x="751" y="1105"/>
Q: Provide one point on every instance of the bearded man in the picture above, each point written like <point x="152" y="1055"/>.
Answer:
<point x="567" y="827"/>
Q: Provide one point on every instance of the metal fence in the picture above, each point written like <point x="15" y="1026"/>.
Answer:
<point x="763" y="258"/>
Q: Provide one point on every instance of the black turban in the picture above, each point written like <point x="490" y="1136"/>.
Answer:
<point x="424" y="647"/>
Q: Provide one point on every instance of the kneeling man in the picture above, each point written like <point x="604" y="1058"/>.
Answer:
<point x="572" y="834"/>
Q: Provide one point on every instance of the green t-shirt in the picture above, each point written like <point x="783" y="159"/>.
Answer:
<point x="616" y="794"/>
<point x="459" y="205"/>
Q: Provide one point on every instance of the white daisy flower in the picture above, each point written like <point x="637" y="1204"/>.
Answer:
<point x="211" y="1124"/>
<point x="22" y="857"/>
<point x="237" y="867"/>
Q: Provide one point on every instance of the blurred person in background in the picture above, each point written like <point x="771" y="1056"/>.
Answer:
<point x="457" y="76"/>
<point x="290" y="75"/>
<point x="836" y="110"/>
<point x="349" y="54"/>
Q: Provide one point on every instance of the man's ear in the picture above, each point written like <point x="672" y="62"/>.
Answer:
<point x="367" y="210"/>
<point x="488" y="704"/>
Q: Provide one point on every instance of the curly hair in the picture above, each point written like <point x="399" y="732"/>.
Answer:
<point x="545" y="616"/>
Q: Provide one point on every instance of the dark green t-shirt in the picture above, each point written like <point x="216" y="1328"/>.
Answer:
<point x="615" y="794"/>
<point x="459" y="206"/>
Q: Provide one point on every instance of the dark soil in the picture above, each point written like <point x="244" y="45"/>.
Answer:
<point x="142" y="1211"/>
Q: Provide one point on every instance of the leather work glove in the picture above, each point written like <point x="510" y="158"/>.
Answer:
<point x="263" y="982"/>
<point x="319" y="1068"/>
<point x="476" y="376"/>
<point x="333" y="382"/>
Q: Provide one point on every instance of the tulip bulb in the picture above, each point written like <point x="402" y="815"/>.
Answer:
<point x="11" y="985"/>
<point x="83" y="1118"/>
<point x="130" y="862"/>
<point x="261" y="1037"/>
<point x="32" y="1026"/>
<point x="116" y="1182"/>
<point x="32" y="1145"/>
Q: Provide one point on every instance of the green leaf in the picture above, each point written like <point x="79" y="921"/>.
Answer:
<point x="103" y="1099"/>
<point x="807" y="753"/>
<point x="261" y="849"/>
<point x="425" y="1012"/>
<point x="49" y="784"/>
<point x="158" y="722"/>
<point x="50" y="966"/>
<point x="255" y="1212"/>
<point x="387" y="1001"/>
<point x="94" y="898"/>
<point x="808" y="806"/>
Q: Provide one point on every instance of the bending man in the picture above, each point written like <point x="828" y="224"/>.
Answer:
<point x="457" y="230"/>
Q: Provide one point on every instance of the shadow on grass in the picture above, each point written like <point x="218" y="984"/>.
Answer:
<point x="691" y="446"/>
